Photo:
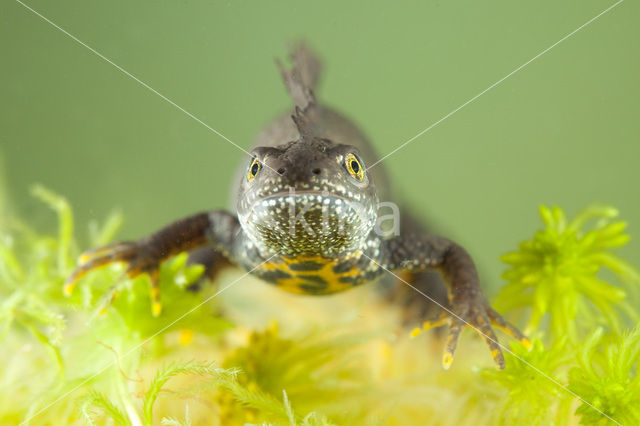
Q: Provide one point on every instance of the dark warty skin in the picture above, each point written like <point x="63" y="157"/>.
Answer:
<point x="305" y="221"/>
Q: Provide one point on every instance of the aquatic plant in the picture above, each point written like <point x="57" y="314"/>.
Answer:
<point x="102" y="358"/>
<point x="559" y="271"/>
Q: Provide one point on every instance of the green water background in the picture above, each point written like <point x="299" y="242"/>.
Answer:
<point x="564" y="130"/>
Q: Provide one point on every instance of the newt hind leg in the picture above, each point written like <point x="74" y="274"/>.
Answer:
<point x="212" y="260"/>
<point x="416" y="309"/>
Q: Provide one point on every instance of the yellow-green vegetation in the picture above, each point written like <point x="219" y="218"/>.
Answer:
<point x="100" y="357"/>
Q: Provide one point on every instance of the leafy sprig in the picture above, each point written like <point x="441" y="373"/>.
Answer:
<point x="608" y="377"/>
<point x="558" y="272"/>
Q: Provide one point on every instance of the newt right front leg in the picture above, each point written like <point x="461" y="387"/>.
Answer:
<point x="145" y="255"/>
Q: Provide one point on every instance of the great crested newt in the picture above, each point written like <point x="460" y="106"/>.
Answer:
<point x="307" y="220"/>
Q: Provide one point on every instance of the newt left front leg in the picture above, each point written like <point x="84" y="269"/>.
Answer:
<point x="468" y="307"/>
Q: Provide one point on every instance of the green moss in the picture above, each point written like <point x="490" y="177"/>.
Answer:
<point x="607" y="376"/>
<point x="558" y="272"/>
<point x="530" y="383"/>
<point x="104" y="359"/>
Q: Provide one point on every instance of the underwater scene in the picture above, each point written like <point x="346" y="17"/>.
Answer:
<point x="336" y="213"/>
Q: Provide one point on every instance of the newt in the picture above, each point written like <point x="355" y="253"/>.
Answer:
<point x="307" y="220"/>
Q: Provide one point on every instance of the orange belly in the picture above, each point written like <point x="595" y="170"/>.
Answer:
<point x="312" y="274"/>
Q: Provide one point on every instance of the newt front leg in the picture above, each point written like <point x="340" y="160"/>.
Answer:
<point x="468" y="306"/>
<point x="144" y="256"/>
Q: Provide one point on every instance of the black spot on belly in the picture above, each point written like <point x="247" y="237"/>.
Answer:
<point x="343" y="267"/>
<point x="274" y="275"/>
<point x="351" y="280"/>
<point x="313" y="284"/>
<point x="312" y="289"/>
<point x="312" y="279"/>
<point x="306" y="265"/>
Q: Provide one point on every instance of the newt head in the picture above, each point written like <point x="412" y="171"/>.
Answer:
<point x="307" y="197"/>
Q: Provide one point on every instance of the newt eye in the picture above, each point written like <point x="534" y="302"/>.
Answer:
<point x="354" y="167"/>
<point x="254" y="168"/>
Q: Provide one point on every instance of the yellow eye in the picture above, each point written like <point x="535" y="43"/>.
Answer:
<point x="354" y="167"/>
<point x="254" y="168"/>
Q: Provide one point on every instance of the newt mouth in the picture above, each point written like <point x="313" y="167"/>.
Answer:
<point x="304" y="192"/>
<point x="308" y="196"/>
<point x="310" y="204"/>
<point x="286" y="202"/>
<point x="311" y="222"/>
